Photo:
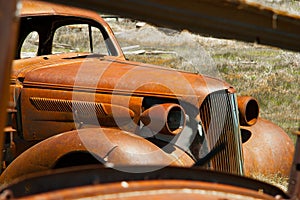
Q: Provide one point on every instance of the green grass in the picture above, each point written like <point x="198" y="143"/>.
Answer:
<point x="270" y="75"/>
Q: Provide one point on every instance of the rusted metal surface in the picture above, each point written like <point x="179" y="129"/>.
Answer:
<point x="8" y="26"/>
<point x="239" y="20"/>
<point x="248" y="110"/>
<point x="217" y="117"/>
<point x="294" y="181"/>
<point x="165" y="118"/>
<point x="93" y="177"/>
<point x="262" y="151"/>
<point x="104" y="145"/>
<point x="121" y="83"/>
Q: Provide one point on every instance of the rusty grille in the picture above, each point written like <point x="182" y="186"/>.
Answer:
<point x="219" y="119"/>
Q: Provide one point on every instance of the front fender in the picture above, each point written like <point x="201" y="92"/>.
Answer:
<point x="268" y="151"/>
<point x="106" y="144"/>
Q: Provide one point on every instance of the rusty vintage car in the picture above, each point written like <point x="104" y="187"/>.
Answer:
<point x="75" y="104"/>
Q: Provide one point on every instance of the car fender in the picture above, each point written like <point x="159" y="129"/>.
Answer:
<point x="107" y="145"/>
<point x="268" y="150"/>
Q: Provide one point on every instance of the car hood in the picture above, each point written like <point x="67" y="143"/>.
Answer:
<point x="108" y="74"/>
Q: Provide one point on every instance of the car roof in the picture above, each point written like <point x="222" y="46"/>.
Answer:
<point x="39" y="8"/>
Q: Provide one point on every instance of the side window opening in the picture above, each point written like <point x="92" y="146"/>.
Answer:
<point x="30" y="45"/>
<point x="78" y="38"/>
<point x="99" y="45"/>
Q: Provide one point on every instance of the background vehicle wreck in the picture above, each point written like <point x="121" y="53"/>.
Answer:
<point x="55" y="93"/>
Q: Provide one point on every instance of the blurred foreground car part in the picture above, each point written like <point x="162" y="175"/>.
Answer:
<point x="294" y="181"/>
<point x="107" y="183"/>
<point x="8" y="36"/>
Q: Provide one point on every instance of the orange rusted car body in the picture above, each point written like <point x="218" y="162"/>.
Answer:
<point x="77" y="108"/>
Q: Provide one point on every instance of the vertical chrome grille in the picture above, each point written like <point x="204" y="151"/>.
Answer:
<point x="219" y="118"/>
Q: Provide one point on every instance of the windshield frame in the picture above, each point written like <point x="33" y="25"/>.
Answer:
<point x="46" y="26"/>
